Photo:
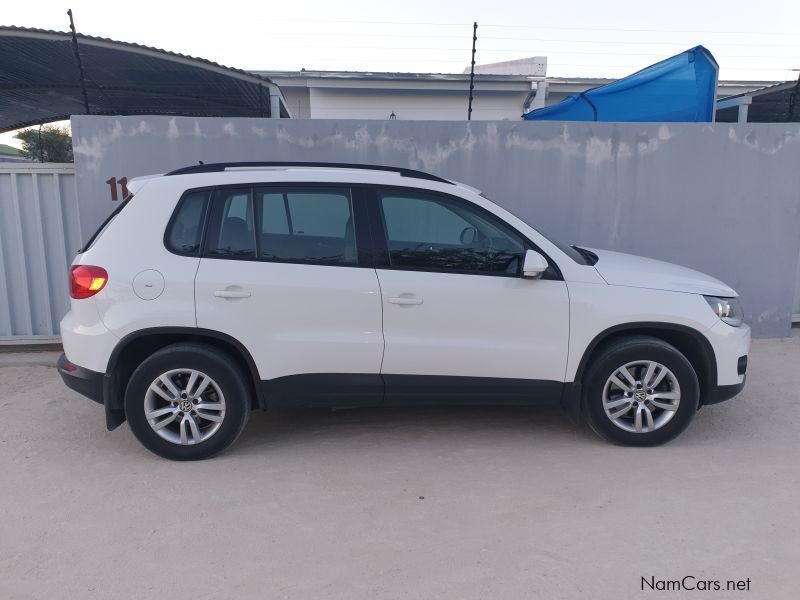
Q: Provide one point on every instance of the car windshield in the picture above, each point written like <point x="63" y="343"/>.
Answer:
<point x="579" y="255"/>
<point x="576" y="253"/>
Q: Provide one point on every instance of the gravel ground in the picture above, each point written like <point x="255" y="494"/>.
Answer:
<point x="438" y="503"/>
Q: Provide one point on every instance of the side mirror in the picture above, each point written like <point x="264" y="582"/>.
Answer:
<point x="534" y="265"/>
<point x="468" y="235"/>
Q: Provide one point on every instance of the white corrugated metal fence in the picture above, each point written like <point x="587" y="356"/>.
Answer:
<point x="39" y="236"/>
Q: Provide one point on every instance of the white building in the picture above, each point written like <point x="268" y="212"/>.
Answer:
<point x="501" y="92"/>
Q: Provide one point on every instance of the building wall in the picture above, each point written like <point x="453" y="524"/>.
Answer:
<point x="719" y="198"/>
<point x="298" y="100"/>
<point x="330" y="95"/>
<point x="441" y="105"/>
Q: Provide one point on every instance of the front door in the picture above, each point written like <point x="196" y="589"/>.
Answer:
<point x="281" y="274"/>
<point x="459" y="321"/>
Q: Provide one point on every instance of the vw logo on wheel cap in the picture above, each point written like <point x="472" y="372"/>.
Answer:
<point x="640" y="396"/>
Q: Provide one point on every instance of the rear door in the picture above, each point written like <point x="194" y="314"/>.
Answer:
<point x="459" y="320"/>
<point x="281" y="273"/>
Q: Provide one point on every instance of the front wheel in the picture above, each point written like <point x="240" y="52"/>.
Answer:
<point x="640" y="391"/>
<point x="187" y="402"/>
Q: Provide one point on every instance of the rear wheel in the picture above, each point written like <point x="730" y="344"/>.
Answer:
<point x="187" y="402"/>
<point x="640" y="391"/>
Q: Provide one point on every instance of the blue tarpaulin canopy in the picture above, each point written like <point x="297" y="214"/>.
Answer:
<point x="682" y="88"/>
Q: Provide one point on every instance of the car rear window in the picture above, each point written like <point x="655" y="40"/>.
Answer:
<point x="185" y="231"/>
<point x="312" y="225"/>
<point x="294" y="224"/>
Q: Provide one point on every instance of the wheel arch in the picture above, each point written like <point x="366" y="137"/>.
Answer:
<point x="689" y="341"/>
<point x="135" y="347"/>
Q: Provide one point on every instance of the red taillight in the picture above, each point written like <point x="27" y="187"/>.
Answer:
<point x="85" y="281"/>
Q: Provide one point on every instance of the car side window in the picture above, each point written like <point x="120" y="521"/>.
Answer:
<point x="186" y="227"/>
<point x="232" y="229"/>
<point x="434" y="233"/>
<point x="306" y="225"/>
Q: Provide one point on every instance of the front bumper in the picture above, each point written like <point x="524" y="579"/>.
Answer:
<point x="85" y="382"/>
<point x="724" y="392"/>
<point x="730" y="344"/>
<point x="731" y="347"/>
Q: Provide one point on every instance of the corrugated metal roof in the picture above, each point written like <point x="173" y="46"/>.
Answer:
<point x="767" y="89"/>
<point x="40" y="81"/>
<point x="399" y="76"/>
<point x="402" y="75"/>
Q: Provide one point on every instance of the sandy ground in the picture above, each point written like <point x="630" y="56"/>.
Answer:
<point x="456" y="503"/>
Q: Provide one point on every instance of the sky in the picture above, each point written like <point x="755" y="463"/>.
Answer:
<point x="581" y="38"/>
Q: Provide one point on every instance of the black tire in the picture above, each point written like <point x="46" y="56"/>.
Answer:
<point x="216" y="364"/>
<point x="622" y="352"/>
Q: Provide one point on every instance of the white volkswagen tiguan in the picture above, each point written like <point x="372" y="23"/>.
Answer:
<point x="217" y="289"/>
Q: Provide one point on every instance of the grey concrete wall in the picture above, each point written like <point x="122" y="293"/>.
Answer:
<point x="724" y="199"/>
<point x="796" y="303"/>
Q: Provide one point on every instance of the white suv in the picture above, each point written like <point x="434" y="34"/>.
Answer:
<point x="217" y="289"/>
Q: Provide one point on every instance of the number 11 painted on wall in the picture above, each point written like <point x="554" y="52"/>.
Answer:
<point x="123" y="185"/>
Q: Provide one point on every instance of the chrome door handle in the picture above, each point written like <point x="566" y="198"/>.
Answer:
<point x="231" y="294"/>
<point x="404" y="300"/>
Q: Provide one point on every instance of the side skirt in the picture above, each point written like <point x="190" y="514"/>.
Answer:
<point x="354" y="389"/>
<point x="322" y="390"/>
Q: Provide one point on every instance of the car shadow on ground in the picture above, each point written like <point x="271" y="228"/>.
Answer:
<point x="463" y="425"/>
<point x="391" y="425"/>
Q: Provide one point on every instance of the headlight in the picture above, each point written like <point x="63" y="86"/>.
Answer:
<point x="727" y="309"/>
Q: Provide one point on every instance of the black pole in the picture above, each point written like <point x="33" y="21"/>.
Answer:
<point x="793" y="97"/>
<point x="41" y="147"/>
<point x="472" y="69"/>
<point x="80" y="64"/>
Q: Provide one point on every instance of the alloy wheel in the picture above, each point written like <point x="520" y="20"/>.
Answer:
<point x="641" y="396"/>
<point x="184" y="406"/>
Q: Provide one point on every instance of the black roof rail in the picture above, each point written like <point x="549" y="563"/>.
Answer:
<point x="217" y="167"/>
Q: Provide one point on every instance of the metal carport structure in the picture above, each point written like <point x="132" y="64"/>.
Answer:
<point x="773" y="104"/>
<point x="47" y="76"/>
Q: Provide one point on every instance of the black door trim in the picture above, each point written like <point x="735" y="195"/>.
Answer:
<point x="452" y="389"/>
<point x="322" y="390"/>
<point x="316" y="390"/>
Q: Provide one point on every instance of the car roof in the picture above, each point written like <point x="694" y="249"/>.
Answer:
<point x="225" y="166"/>
<point x="250" y="172"/>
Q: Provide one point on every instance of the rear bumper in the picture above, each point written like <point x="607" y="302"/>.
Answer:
<point x="95" y="386"/>
<point x="84" y="381"/>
